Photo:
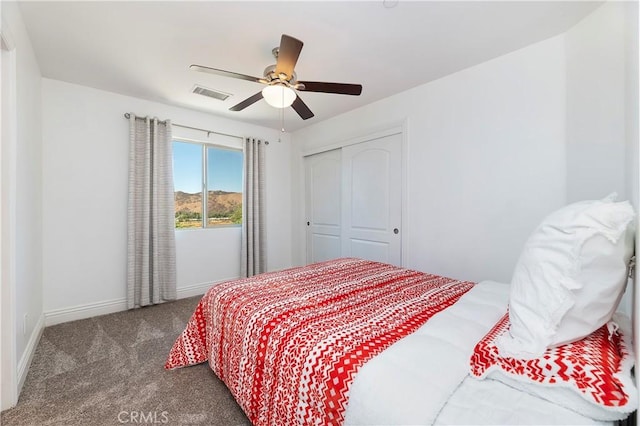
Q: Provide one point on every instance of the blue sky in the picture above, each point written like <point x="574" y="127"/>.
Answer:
<point x="225" y="168"/>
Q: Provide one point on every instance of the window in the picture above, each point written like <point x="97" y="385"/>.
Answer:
<point x="200" y="168"/>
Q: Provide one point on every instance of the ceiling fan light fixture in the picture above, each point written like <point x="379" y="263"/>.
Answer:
<point x="279" y="95"/>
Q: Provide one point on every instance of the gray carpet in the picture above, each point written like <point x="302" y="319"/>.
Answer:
<point x="108" y="370"/>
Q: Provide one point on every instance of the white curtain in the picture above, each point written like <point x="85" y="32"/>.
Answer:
<point x="253" y="254"/>
<point x="151" y="256"/>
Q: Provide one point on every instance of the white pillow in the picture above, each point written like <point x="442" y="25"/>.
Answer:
<point x="570" y="276"/>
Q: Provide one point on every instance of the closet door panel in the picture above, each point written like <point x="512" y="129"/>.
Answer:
<point x="372" y="200"/>
<point x="323" y="205"/>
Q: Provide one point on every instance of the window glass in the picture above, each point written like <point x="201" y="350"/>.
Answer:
<point x="224" y="185"/>
<point x="187" y="182"/>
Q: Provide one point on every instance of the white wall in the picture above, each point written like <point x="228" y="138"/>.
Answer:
<point x="596" y="141"/>
<point x="486" y="160"/>
<point x="632" y="46"/>
<point x="632" y="113"/>
<point x="26" y="261"/>
<point x="85" y="168"/>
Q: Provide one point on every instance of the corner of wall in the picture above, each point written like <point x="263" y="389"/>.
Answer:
<point x="29" y="352"/>
<point x="595" y="96"/>
<point x="298" y="240"/>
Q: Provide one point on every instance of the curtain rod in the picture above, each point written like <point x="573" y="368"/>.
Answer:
<point x="127" y="115"/>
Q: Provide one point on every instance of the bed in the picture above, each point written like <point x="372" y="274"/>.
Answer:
<point x="357" y="342"/>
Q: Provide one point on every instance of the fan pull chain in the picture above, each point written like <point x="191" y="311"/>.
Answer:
<point x="282" y="116"/>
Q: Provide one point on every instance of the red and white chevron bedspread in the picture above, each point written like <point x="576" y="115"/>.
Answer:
<point x="288" y="344"/>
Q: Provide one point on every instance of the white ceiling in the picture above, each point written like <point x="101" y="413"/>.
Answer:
<point x="144" y="49"/>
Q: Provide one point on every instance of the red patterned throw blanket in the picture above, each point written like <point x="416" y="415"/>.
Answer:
<point x="288" y="344"/>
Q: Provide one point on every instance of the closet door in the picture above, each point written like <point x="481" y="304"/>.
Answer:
<point x="323" y="205"/>
<point x="372" y="200"/>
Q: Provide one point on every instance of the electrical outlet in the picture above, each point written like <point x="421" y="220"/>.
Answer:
<point x="25" y="324"/>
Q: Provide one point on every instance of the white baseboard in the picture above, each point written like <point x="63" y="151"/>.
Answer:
<point x="29" y="351"/>
<point x="73" y="313"/>
<point x="198" y="289"/>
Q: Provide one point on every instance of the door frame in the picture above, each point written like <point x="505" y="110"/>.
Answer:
<point x="399" y="128"/>
<point x="8" y="145"/>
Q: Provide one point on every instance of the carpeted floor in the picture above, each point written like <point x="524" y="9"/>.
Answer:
<point x="108" y="370"/>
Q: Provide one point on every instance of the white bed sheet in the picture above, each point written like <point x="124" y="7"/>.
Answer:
<point x="423" y="378"/>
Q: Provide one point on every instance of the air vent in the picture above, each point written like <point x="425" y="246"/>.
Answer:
<point x="215" y="94"/>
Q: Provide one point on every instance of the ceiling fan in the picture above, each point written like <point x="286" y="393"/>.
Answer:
<point x="281" y="81"/>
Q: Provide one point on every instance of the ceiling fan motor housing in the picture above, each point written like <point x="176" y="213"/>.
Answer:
<point x="270" y="77"/>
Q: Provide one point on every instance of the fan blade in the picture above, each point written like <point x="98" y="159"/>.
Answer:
<point x="224" y="73"/>
<point x="288" y="54"/>
<point x="301" y="108"/>
<point x="338" y="88"/>
<point x="249" y="101"/>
